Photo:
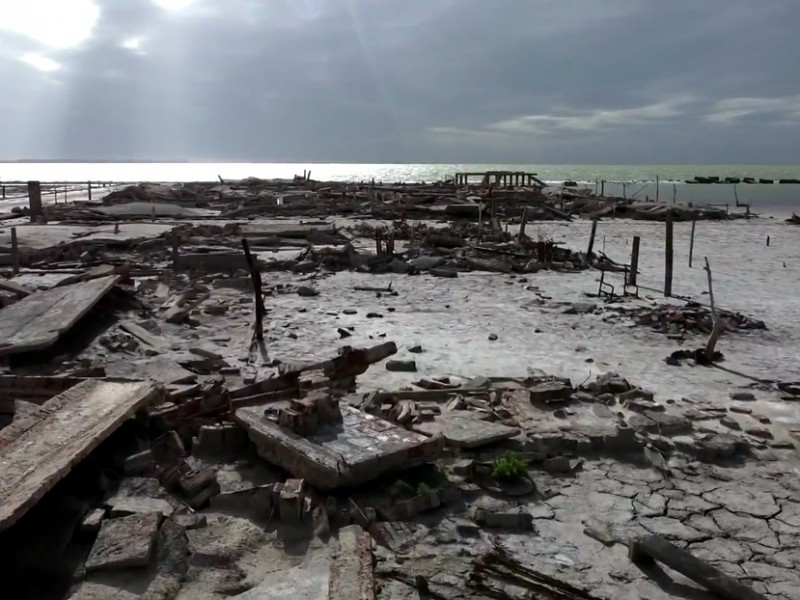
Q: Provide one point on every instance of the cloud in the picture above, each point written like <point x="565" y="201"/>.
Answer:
<point x="411" y="81"/>
<point x="730" y="110"/>
<point x="42" y="63"/>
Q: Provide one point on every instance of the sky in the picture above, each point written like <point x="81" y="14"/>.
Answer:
<point x="452" y="81"/>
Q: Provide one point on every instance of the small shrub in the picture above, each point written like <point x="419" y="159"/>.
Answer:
<point x="509" y="467"/>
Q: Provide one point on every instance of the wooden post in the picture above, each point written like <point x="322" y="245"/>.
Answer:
<point x="691" y="242"/>
<point x="14" y="251"/>
<point x="668" y="258"/>
<point x="591" y="240"/>
<point x="657" y="188"/>
<point x="378" y="241"/>
<point x="4" y="192"/>
<point x="767" y="241"/>
<point x="523" y="223"/>
<point x="718" y="323"/>
<point x="259" y="298"/>
<point x="35" y="200"/>
<point x="655" y="547"/>
<point x="603" y="187"/>
<point x="89" y="188"/>
<point x="634" y="261"/>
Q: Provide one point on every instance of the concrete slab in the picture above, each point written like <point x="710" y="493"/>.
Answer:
<point x="43" y="237"/>
<point x="352" y="452"/>
<point x="125" y="542"/>
<point x="462" y="430"/>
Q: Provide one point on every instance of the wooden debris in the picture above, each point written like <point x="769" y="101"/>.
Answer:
<point x="37" y="321"/>
<point x="39" y="451"/>
<point x="656" y="547"/>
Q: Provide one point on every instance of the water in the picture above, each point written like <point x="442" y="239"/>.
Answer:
<point x="638" y="180"/>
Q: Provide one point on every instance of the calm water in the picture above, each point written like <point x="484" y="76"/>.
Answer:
<point x="639" y="180"/>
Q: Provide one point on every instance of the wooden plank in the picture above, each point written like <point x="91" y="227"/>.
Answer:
<point x="37" y="321"/>
<point x="40" y="450"/>
<point x="688" y="565"/>
<point x="15" y="288"/>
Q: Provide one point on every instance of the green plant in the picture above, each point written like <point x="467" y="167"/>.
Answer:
<point x="509" y="467"/>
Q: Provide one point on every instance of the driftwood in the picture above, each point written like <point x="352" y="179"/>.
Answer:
<point x="655" y="547"/>
<point x="719" y="324"/>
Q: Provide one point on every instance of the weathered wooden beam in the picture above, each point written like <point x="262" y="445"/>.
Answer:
<point x="38" y="451"/>
<point x="655" y="547"/>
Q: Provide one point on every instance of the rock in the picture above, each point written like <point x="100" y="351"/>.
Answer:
<point x="343" y="333"/>
<point x="415" y="349"/>
<point x="122" y="506"/>
<point x="714" y="447"/>
<point x="445" y="273"/>
<point x="741" y="410"/>
<point x="403" y="366"/>
<point x="549" y="391"/>
<point x="730" y="423"/>
<point x="191" y="521"/>
<point x="504" y="520"/>
<point x="307" y="291"/>
<point x="492" y="337"/>
<point x="349" y="311"/>
<point x="602" y="411"/>
<point x="215" y="309"/>
<point x="743" y="396"/>
<point x="424" y="263"/>
<point x="374" y="315"/>
<point x="124" y="543"/>
<point x="580" y="308"/>
<point x="91" y="522"/>
<point x="759" y="432"/>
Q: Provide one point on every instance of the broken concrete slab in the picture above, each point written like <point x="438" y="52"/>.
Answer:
<point x="37" y="321"/>
<point x="124" y="543"/>
<point x="462" y="430"/>
<point x="355" y="451"/>
<point x="351" y="574"/>
<point x="39" y="451"/>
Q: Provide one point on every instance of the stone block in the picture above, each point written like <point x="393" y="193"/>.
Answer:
<point x="550" y="391"/>
<point x="504" y="520"/>
<point x="290" y="503"/>
<point x="124" y="543"/>
<point x="91" y="522"/>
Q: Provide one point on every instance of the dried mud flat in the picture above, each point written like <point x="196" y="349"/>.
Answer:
<point x="478" y="366"/>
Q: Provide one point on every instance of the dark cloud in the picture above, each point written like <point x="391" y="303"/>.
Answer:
<point x="413" y="81"/>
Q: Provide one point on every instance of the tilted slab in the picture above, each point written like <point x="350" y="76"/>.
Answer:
<point x="37" y="321"/>
<point x="358" y="450"/>
<point x="39" y="450"/>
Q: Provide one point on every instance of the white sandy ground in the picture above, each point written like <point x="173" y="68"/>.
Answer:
<point x="453" y="318"/>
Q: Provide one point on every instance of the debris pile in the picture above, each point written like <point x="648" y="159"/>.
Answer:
<point x="691" y="318"/>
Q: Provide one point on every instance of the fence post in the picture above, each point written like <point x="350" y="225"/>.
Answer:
<point x="35" y="200"/>
<point x="90" y="190"/>
<point x="14" y="250"/>
<point x="591" y="240"/>
<point x="691" y="242"/>
<point x="634" y="260"/>
<point x="668" y="258"/>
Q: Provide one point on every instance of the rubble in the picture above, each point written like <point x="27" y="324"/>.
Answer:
<point x="202" y="454"/>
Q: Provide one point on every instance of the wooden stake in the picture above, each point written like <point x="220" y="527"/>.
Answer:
<point x="656" y="547"/>
<point x="591" y="240"/>
<point x="523" y="224"/>
<point x="603" y="187"/>
<point x="716" y="332"/>
<point x="691" y="243"/>
<point x="14" y="251"/>
<point x="35" y="200"/>
<point x="259" y="298"/>
<point x="634" y="261"/>
<point x="89" y="188"/>
<point x="668" y="258"/>
<point x="657" y="188"/>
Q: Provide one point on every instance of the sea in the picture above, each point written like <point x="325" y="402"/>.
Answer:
<point x="631" y="181"/>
